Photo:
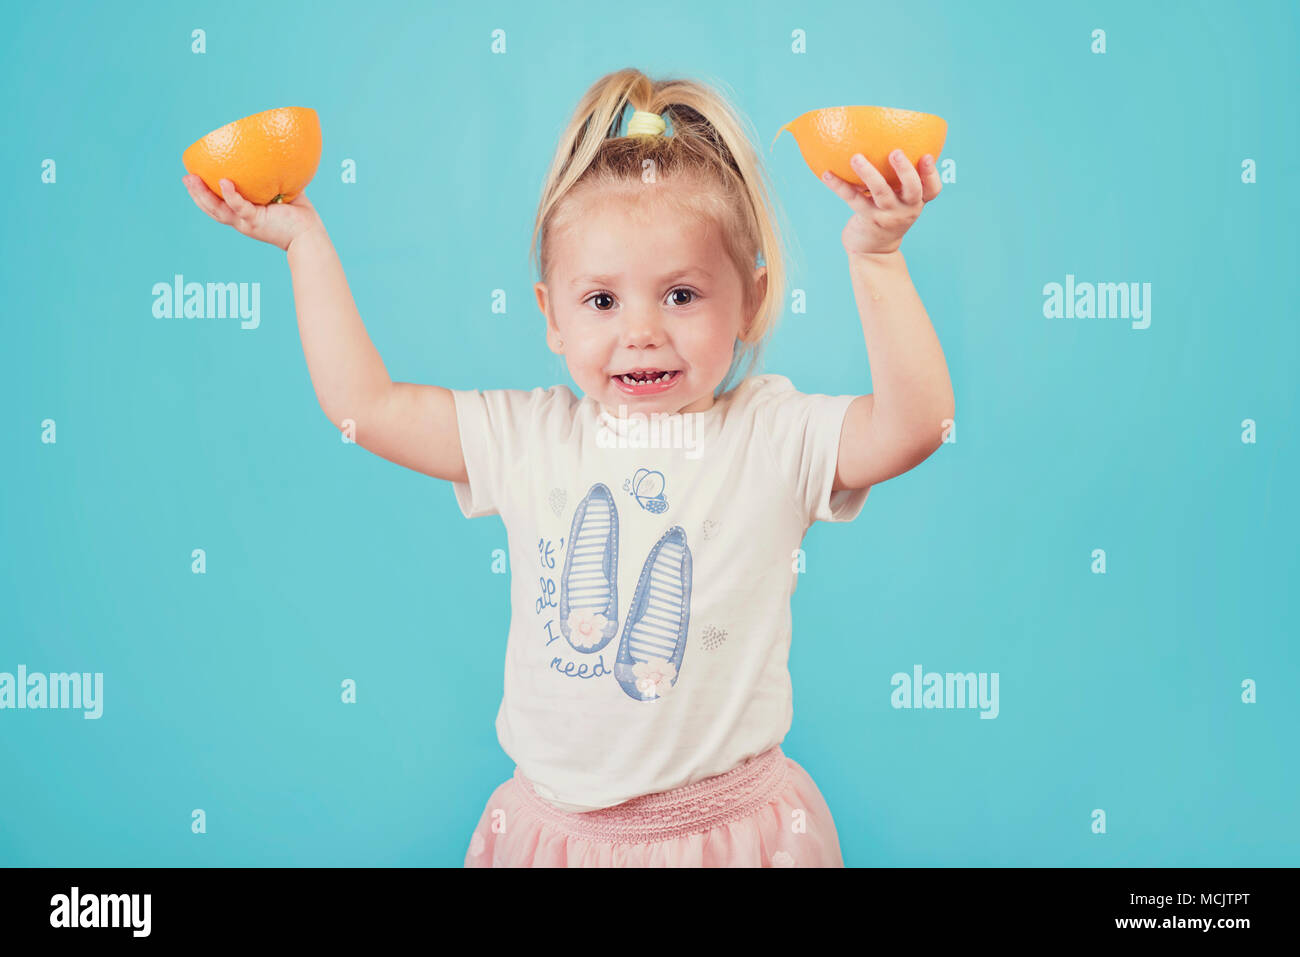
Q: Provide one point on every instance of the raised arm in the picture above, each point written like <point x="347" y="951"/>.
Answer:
<point x="902" y="422"/>
<point x="412" y="425"/>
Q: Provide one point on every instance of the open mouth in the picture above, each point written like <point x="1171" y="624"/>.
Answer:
<point x="645" y="381"/>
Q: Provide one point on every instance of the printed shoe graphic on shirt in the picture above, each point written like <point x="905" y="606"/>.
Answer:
<point x="654" y="635"/>
<point x="589" y="581"/>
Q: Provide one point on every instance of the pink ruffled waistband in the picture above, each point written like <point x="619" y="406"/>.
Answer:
<point x="721" y="799"/>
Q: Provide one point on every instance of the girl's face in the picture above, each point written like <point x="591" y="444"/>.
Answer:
<point x="647" y="291"/>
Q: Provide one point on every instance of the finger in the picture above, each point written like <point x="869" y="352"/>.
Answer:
<point x="237" y="202"/>
<point x="881" y="192"/>
<point x="245" y="211"/>
<point x="207" y="200"/>
<point x="908" y="177"/>
<point x="930" y="177"/>
<point x="851" y="193"/>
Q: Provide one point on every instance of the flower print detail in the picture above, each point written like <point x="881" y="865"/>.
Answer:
<point x="477" y="844"/>
<point x="654" y="677"/>
<point x="586" y="628"/>
<point x="782" y="859"/>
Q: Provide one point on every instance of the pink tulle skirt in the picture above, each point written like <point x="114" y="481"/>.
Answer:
<point x="767" y="812"/>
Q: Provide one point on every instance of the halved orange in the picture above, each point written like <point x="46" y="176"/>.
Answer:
<point x="829" y="137"/>
<point x="269" y="156"/>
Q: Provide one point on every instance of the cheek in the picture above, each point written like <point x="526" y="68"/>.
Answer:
<point x="713" y="344"/>
<point x="588" y="356"/>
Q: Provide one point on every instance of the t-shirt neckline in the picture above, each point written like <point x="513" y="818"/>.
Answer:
<point x="703" y="418"/>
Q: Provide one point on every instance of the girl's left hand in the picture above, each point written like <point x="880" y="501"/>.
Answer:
<point x="880" y="220"/>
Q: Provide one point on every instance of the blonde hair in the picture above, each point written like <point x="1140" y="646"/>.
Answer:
<point x="709" y="150"/>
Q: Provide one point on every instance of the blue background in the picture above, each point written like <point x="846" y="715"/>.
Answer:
<point x="1118" y="691"/>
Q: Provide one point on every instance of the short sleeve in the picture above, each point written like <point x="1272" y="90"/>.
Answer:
<point x="497" y="428"/>
<point x="803" y="431"/>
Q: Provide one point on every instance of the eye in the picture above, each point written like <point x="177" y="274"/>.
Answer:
<point x="690" y="292"/>
<point x="601" y="295"/>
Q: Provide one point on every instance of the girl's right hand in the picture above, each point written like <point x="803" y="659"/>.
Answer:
<point x="276" y="223"/>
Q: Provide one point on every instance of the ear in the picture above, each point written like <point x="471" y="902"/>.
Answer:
<point x="552" y="330"/>
<point x="760" y="290"/>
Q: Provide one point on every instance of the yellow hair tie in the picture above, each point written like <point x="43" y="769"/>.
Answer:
<point x="645" y="124"/>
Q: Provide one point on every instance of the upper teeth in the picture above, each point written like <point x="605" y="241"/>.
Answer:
<point x="631" y="381"/>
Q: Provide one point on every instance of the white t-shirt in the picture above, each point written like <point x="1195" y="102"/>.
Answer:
<point x="669" y="544"/>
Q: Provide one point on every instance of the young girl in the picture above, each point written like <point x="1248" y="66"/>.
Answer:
<point x="652" y="522"/>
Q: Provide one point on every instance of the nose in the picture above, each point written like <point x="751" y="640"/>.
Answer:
<point x="643" y="328"/>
